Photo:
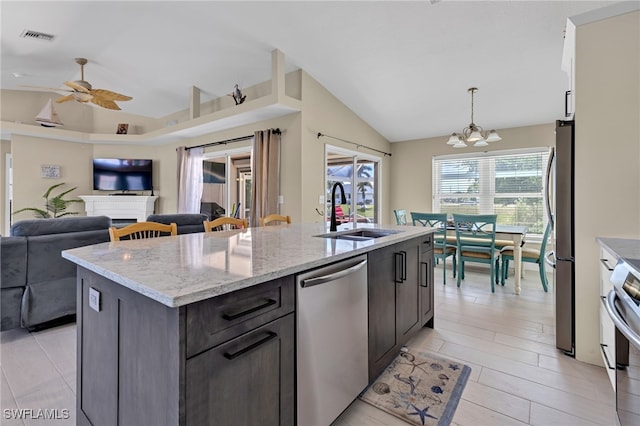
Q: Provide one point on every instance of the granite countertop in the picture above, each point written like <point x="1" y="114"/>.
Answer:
<point x="183" y="269"/>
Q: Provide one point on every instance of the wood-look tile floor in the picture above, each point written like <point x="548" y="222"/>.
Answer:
<point x="518" y="376"/>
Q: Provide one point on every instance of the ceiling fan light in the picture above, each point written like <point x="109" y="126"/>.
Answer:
<point x="493" y="136"/>
<point x="453" y="139"/>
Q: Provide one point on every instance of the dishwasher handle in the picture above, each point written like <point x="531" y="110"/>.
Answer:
<point x="334" y="276"/>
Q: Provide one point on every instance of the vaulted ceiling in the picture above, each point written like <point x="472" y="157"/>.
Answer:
<point x="403" y="67"/>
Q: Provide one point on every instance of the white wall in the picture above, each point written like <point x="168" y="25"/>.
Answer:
<point x="607" y="158"/>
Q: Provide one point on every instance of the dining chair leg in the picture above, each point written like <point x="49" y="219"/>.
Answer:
<point x="505" y="269"/>
<point x="444" y="270"/>
<point x="460" y="271"/>
<point x="543" y="277"/>
<point x="454" y="266"/>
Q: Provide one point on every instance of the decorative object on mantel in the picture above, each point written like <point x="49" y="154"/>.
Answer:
<point x="123" y="128"/>
<point x="54" y="207"/>
<point x="83" y="92"/>
<point x="48" y="117"/>
<point x="419" y="388"/>
<point x="473" y="133"/>
<point x="50" y="171"/>
<point x="237" y="95"/>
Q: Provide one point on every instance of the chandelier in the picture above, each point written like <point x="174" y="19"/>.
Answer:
<point x="473" y="133"/>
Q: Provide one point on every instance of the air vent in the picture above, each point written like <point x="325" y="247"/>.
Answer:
<point x="37" y="35"/>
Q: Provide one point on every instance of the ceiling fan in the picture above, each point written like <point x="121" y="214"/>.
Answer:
<point x="83" y="92"/>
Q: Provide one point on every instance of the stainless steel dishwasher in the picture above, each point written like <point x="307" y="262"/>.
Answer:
<point x="332" y="339"/>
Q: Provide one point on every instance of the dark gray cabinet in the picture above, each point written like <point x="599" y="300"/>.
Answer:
<point x="246" y="381"/>
<point x="426" y="281"/>
<point x="225" y="360"/>
<point x="398" y="292"/>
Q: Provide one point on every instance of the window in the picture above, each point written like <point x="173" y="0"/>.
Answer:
<point x="507" y="183"/>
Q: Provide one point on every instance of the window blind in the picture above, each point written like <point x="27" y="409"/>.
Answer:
<point x="507" y="183"/>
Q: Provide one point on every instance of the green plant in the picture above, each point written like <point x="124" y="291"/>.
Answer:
<point x="54" y="206"/>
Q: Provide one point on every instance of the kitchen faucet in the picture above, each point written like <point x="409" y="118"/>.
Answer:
<point x="334" y="224"/>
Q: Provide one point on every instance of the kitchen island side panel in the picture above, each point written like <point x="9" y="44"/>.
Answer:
<point x="130" y="357"/>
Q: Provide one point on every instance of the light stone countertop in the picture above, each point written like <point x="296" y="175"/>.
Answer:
<point x="625" y="248"/>
<point x="183" y="269"/>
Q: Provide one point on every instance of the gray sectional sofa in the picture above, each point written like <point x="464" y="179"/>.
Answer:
<point x="38" y="286"/>
<point x="187" y="222"/>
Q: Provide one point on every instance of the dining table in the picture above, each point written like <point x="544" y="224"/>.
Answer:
<point x="512" y="233"/>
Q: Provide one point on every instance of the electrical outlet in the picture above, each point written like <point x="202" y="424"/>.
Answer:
<point x="280" y="199"/>
<point x="94" y="299"/>
<point x="321" y="199"/>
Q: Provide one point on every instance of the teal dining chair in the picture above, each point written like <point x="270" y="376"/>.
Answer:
<point x="476" y="242"/>
<point x="401" y="217"/>
<point x="441" y="250"/>
<point x="530" y="256"/>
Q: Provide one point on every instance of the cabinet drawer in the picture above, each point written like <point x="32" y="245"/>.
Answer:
<point x="249" y="380"/>
<point x="216" y="320"/>
<point x="426" y="243"/>
<point x="608" y="344"/>
<point x="607" y="262"/>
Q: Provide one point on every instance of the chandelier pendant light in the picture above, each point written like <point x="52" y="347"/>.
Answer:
<point x="473" y="133"/>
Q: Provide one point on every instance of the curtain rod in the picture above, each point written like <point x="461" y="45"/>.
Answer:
<point x="358" y="145"/>
<point x="224" y="142"/>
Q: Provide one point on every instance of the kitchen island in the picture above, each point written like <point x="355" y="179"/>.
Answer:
<point x="200" y="328"/>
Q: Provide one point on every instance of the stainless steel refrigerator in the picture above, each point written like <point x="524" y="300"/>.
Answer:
<point x="560" y="211"/>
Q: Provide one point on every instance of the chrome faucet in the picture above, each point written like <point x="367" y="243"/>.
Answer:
<point x="334" y="223"/>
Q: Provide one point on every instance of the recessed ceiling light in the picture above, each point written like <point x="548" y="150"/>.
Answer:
<point x="19" y="75"/>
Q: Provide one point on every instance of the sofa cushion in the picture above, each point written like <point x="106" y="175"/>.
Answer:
<point x="13" y="263"/>
<point x="33" y="227"/>
<point x="187" y="222"/>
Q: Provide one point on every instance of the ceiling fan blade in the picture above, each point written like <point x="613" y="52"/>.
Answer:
<point x="109" y="95"/>
<point x="76" y="87"/>
<point x="52" y="89"/>
<point x="104" y="103"/>
<point x="65" y="99"/>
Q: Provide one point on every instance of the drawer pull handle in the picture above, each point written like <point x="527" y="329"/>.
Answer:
<point x="606" y="265"/>
<point x="231" y="317"/>
<point x="270" y="335"/>
<point x="424" y="282"/>
<point x="606" y="358"/>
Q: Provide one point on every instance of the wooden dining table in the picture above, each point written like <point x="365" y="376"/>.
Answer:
<point x="513" y="233"/>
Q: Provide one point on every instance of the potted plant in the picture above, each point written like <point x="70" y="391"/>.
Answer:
<point x="55" y="206"/>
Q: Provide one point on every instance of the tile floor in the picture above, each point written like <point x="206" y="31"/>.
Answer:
<point x="518" y="376"/>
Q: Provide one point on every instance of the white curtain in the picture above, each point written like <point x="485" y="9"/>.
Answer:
<point x="189" y="179"/>
<point x="265" y="170"/>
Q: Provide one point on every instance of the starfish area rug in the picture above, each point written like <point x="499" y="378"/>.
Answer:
<point x="420" y="388"/>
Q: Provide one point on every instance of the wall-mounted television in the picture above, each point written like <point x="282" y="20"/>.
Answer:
<point x="120" y="174"/>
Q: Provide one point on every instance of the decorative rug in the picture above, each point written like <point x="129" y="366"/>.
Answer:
<point x="419" y="388"/>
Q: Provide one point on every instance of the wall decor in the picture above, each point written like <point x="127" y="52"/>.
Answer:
<point x="50" y="171"/>
<point x="123" y="128"/>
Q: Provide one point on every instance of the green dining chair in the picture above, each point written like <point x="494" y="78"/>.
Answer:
<point x="530" y="256"/>
<point x="441" y="250"/>
<point x="476" y="242"/>
<point x="401" y="217"/>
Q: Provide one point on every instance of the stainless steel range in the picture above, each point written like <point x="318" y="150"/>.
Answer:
<point x="623" y="306"/>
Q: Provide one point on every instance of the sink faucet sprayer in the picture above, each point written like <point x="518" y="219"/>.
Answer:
<point x="334" y="224"/>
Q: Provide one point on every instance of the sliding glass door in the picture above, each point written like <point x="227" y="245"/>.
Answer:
<point x="359" y="175"/>
<point x="227" y="183"/>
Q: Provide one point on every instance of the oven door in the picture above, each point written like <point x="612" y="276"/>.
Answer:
<point x="627" y="378"/>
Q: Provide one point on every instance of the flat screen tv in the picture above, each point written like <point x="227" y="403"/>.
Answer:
<point x="120" y="174"/>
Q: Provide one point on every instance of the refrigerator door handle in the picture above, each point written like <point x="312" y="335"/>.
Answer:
<point x="547" y="258"/>
<point x="547" y="189"/>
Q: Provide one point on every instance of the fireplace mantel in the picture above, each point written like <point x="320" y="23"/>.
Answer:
<point x="137" y="207"/>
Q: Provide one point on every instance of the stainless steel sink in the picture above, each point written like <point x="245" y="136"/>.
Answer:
<point x="359" y="234"/>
